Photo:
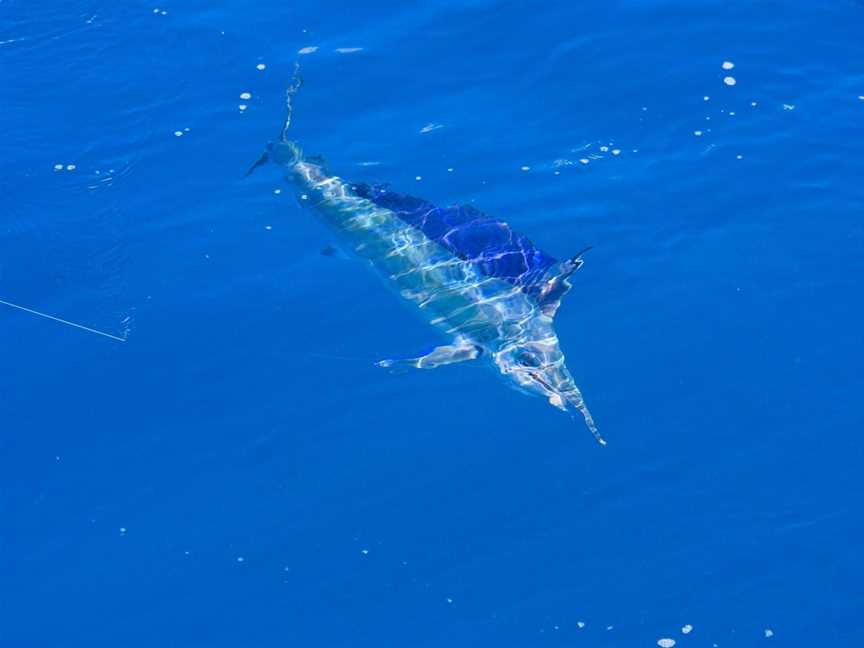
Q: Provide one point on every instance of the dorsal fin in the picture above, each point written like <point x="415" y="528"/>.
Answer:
<point x="556" y="284"/>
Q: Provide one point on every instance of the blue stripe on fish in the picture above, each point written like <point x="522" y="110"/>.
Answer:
<point x="469" y="234"/>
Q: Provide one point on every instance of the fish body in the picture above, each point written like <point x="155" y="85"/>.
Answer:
<point x="486" y="287"/>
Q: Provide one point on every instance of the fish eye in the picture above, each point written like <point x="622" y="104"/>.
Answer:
<point x="528" y="359"/>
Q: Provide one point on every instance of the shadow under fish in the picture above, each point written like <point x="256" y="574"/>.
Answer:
<point x="489" y="288"/>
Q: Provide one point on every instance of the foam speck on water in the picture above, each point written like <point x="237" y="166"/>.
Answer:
<point x="728" y="65"/>
<point x="687" y="629"/>
<point x="754" y="104"/>
<point x="242" y="107"/>
<point x="428" y="128"/>
<point x="449" y="169"/>
<point x="525" y="168"/>
<point x="604" y="148"/>
<point x="178" y="133"/>
<point x="729" y="80"/>
<point x="697" y="133"/>
<point x="71" y="167"/>
<point x="616" y="151"/>
<point x="706" y="98"/>
<point x="769" y="633"/>
<point x="58" y="167"/>
<point x="241" y="559"/>
<point x="739" y="157"/>
<point x="308" y="50"/>
<point x="665" y="643"/>
<point x="277" y="191"/>
<point x="788" y="106"/>
<point x="348" y="50"/>
<point x="580" y="624"/>
<point x="584" y="160"/>
<point x="246" y="95"/>
<point x="365" y="552"/>
<point x="260" y="66"/>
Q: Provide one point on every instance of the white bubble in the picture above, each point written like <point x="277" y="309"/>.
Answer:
<point x="304" y="197"/>
<point x="449" y="600"/>
<point x="428" y="128"/>
<point x="616" y="151"/>
<point x="308" y="50"/>
<point x="178" y="133"/>
<point x="728" y="65"/>
<point x="580" y="624"/>
<point x="665" y="643"/>
<point x="861" y="97"/>
<point x="584" y="160"/>
<point x="348" y="50"/>
<point x="365" y="552"/>
<point x="268" y="227"/>
<point x="754" y="104"/>
<point x="164" y="13"/>
<point x="739" y="157"/>
<point x="731" y="113"/>
<point x="122" y="530"/>
<point x="769" y="633"/>
<point x="525" y="168"/>
<point x="730" y="81"/>
<point x="58" y="167"/>
<point x="788" y="106"/>
<point x="261" y="66"/>
<point x="449" y="169"/>
<point x="155" y="11"/>
<point x="240" y="559"/>
<point x="687" y="629"/>
<point x="604" y="148"/>
<point x="242" y="107"/>
<point x="277" y="191"/>
<point x="706" y="98"/>
<point x="71" y="167"/>
<point x="246" y="95"/>
<point x="418" y="178"/>
<point x="697" y="133"/>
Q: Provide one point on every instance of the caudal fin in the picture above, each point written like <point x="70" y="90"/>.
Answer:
<point x="283" y="151"/>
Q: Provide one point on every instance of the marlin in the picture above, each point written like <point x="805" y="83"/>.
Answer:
<point x="489" y="288"/>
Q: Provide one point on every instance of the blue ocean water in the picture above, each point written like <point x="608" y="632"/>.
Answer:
<point x="239" y="473"/>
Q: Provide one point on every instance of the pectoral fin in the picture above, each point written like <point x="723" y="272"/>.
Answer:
<point x="459" y="351"/>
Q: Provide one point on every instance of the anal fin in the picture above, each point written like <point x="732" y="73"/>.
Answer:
<point x="459" y="351"/>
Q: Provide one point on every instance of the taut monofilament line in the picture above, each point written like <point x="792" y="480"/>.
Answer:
<point x="62" y="321"/>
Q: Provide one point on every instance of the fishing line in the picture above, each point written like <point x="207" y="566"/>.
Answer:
<point x="62" y="321"/>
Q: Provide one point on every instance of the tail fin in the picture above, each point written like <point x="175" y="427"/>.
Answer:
<point x="283" y="151"/>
